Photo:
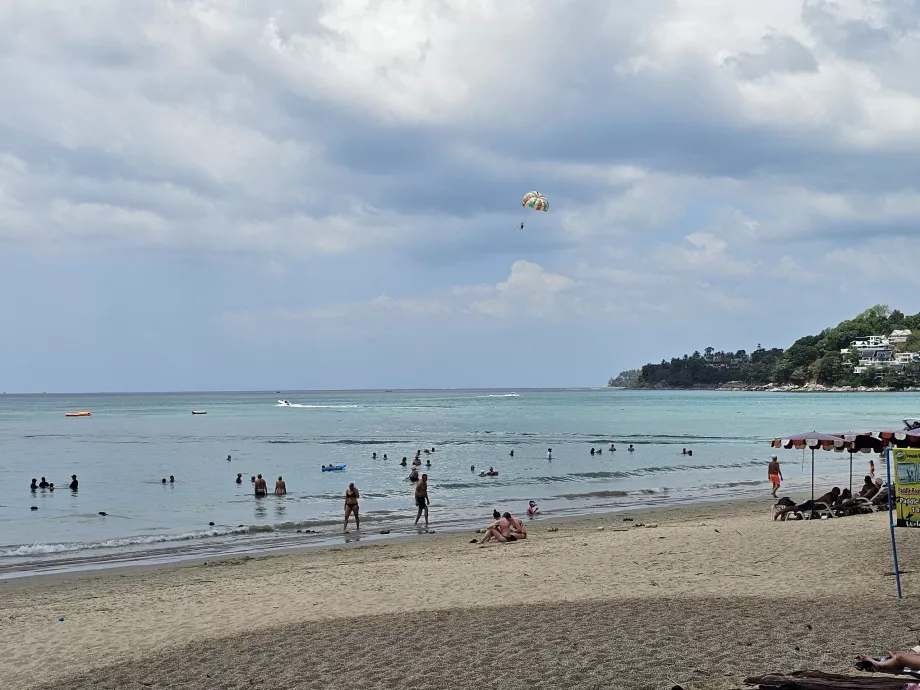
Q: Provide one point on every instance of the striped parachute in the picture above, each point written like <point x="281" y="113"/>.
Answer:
<point x="536" y="201"/>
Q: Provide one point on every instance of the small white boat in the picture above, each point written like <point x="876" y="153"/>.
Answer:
<point x="199" y="411"/>
<point x="284" y="403"/>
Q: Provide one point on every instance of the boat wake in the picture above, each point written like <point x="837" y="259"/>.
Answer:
<point x="285" y="403"/>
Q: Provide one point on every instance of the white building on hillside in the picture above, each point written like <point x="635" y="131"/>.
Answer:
<point x="876" y="347"/>
<point x="877" y="352"/>
<point x="899" y="337"/>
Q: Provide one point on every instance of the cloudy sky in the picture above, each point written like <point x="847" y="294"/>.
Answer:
<point x="241" y="194"/>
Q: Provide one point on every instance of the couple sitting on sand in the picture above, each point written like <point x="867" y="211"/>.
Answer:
<point x="505" y="528"/>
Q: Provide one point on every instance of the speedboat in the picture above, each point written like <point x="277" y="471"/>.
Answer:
<point x="284" y="403"/>
<point x="199" y="411"/>
<point x="911" y="424"/>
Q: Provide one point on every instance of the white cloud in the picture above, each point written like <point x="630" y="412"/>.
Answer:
<point x="696" y="153"/>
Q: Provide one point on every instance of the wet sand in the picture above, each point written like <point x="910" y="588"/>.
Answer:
<point x="711" y="594"/>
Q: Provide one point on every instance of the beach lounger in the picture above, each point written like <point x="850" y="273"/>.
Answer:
<point x="815" y="680"/>
<point x="818" y="511"/>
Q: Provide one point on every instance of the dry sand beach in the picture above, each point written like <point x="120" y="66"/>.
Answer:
<point x="710" y="595"/>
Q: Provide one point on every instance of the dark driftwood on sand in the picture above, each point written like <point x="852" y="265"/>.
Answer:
<point x="815" y="680"/>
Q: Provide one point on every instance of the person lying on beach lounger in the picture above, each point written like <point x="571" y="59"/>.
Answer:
<point x="896" y="662"/>
<point x="497" y="531"/>
<point x="829" y="499"/>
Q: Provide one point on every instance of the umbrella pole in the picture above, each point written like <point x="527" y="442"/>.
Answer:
<point x="851" y="471"/>
<point x="812" y="475"/>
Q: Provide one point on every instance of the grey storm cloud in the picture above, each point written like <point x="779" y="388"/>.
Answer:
<point x="587" y="84"/>
<point x="779" y="54"/>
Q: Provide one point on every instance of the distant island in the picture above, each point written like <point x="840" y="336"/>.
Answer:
<point x="877" y="350"/>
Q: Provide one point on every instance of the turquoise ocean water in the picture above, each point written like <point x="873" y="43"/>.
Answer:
<point x="133" y="440"/>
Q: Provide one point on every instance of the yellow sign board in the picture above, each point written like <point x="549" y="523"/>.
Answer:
<point x="906" y="470"/>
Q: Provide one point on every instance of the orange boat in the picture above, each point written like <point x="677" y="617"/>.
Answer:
<point x="79" y="414"/>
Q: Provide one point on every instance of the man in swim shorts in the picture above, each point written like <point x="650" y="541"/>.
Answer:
<point x="516" y="528"/>
<point x="261" y="487"/>
<point x="774" y="475"/>
<point x="421" y="499"/>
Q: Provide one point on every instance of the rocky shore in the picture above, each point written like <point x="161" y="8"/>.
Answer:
<point x="785" y="388"/>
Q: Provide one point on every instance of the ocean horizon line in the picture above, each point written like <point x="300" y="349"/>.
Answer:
<point x="290" y="391"/>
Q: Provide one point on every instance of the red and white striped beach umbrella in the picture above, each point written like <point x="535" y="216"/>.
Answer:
<point x="813" y="440"/>
<point x="902" y="438"/>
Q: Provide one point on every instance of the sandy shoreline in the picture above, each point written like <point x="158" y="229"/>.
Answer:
<point x="713" y="593"/>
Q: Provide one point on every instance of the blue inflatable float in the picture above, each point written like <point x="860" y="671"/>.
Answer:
<point x="333" y="468"/>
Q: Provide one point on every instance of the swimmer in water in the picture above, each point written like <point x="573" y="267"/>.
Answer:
<point x="404" y="462"/>
<point x="280" y="487"/>
<point x="239" y="478"/>
<point x="34" y="486"/>
<point x="532" y="508"/>
<point x="172" y="479"/>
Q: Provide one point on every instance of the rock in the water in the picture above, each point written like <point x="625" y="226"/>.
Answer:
<point x="103" y="513"/>
<point x="211" y="524"/>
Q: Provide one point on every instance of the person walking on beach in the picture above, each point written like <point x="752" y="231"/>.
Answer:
<point x="261" y="487"/>
<point x="421" y="499"/>
<point x="351" y="506"/>
<point x="280" y="487"/>
<point x="774" y="474"/>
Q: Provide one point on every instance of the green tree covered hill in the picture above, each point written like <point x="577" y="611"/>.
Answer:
<point x="810" y="359"/>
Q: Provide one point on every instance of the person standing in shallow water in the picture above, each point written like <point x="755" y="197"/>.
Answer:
<point x="421" y="499"/>
<point x="261" y="487"/>
<point x="280" y="487"/>
<point x="74" y="484"/>
<point x="351" y="506"/>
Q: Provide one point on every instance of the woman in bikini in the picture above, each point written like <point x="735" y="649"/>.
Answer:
<point x="497" y="531"/>
<point x="351" y="506"/>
